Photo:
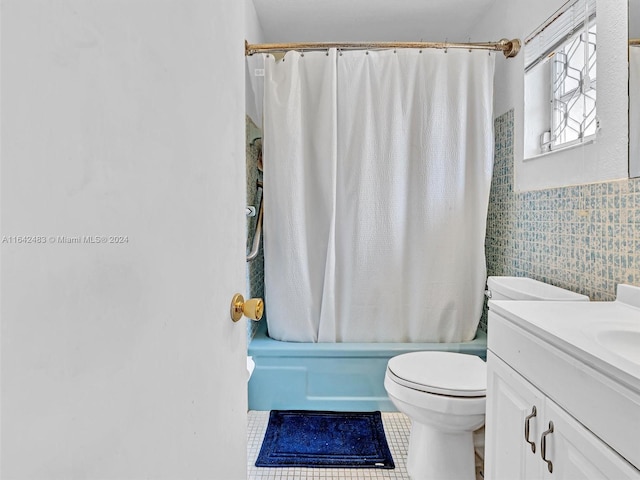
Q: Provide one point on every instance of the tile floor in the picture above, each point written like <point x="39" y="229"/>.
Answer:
<point x="396" y="426"/>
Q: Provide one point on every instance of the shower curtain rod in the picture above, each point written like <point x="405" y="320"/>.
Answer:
<point x="510" y="48"/>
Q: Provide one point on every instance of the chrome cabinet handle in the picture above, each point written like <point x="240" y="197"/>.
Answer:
<point x="533" y="413"/>
<point x="543" y="447"/>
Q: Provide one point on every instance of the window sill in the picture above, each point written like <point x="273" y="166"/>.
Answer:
<point x="588" y="141"/>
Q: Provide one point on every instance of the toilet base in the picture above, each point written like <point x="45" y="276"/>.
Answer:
<point x="438" y="455"/>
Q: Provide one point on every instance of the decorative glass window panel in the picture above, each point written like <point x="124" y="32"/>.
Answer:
<point x="560" y="79"/>
<point x="573" y="93"/>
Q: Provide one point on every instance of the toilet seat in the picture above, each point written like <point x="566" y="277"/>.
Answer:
<point x="451" y="374"/>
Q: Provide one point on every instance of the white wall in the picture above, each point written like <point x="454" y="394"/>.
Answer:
<point x="253" y="28"/>
<point x="634" y="90"/>
<point x="607" y="158"/>
<point x="254" y="86"/>
<point x="122" y="117"/>
<point x="634" y="18"/>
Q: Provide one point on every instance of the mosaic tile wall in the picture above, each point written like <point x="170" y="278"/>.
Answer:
<point x="585" y="238"/>
<point x="255" y="269"/>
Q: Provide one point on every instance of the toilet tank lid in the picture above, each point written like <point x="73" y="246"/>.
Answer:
<point x="445" y="373"/>
<point x="524" y="288"/>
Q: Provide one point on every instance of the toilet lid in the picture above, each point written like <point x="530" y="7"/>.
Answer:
<point x="444" y="373"/>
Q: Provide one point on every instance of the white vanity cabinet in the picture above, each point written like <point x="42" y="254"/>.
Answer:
<point x="512" y="403"/>
<point x="538" y="379"/>
<point x="576" y="453"/>
<point x="518" y="415"/>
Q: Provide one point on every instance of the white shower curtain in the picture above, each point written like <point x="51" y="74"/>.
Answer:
<point x="377" y="174"/>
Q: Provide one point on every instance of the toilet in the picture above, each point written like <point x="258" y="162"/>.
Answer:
<point x="443" y="393"/>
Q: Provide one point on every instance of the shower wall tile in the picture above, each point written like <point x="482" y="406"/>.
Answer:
<point x="255" y="269"/>
<point x="585" y="238"/>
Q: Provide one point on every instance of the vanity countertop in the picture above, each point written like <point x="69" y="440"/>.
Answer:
<point x="603" y="335"/>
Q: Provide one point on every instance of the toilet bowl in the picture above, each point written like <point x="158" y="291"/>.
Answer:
<point x="443" y="393"/>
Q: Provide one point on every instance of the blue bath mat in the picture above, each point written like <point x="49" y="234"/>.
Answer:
<point x="300" y="438"/>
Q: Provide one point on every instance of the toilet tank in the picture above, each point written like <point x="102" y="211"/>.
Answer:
<point x="523" y="288"/>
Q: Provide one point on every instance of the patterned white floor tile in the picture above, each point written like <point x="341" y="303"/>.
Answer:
<point x="396" y="427"/>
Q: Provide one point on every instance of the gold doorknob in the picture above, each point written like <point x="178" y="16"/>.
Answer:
<point x="252" y="308"/>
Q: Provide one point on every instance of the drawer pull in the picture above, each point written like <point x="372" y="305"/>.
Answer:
<point x="526" y="428"/>
<point x="543" y="447"/>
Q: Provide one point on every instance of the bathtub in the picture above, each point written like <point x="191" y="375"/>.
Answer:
<point x="331" y="376"/>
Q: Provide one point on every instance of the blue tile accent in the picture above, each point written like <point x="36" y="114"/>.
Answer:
<point x="255" y="269"/>
<point x="584" y="238"/>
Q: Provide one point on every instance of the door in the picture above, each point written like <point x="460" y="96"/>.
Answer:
<point x="122" y="239"/>
<point x="576" y="453"/>
<point x="510" y="408"/>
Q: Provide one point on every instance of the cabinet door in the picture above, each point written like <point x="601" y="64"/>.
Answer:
<point x="510" y="400"/>
<point x="576" y="453"/>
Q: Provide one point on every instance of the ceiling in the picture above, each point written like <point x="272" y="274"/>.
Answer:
<point x="369" y="20"/>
